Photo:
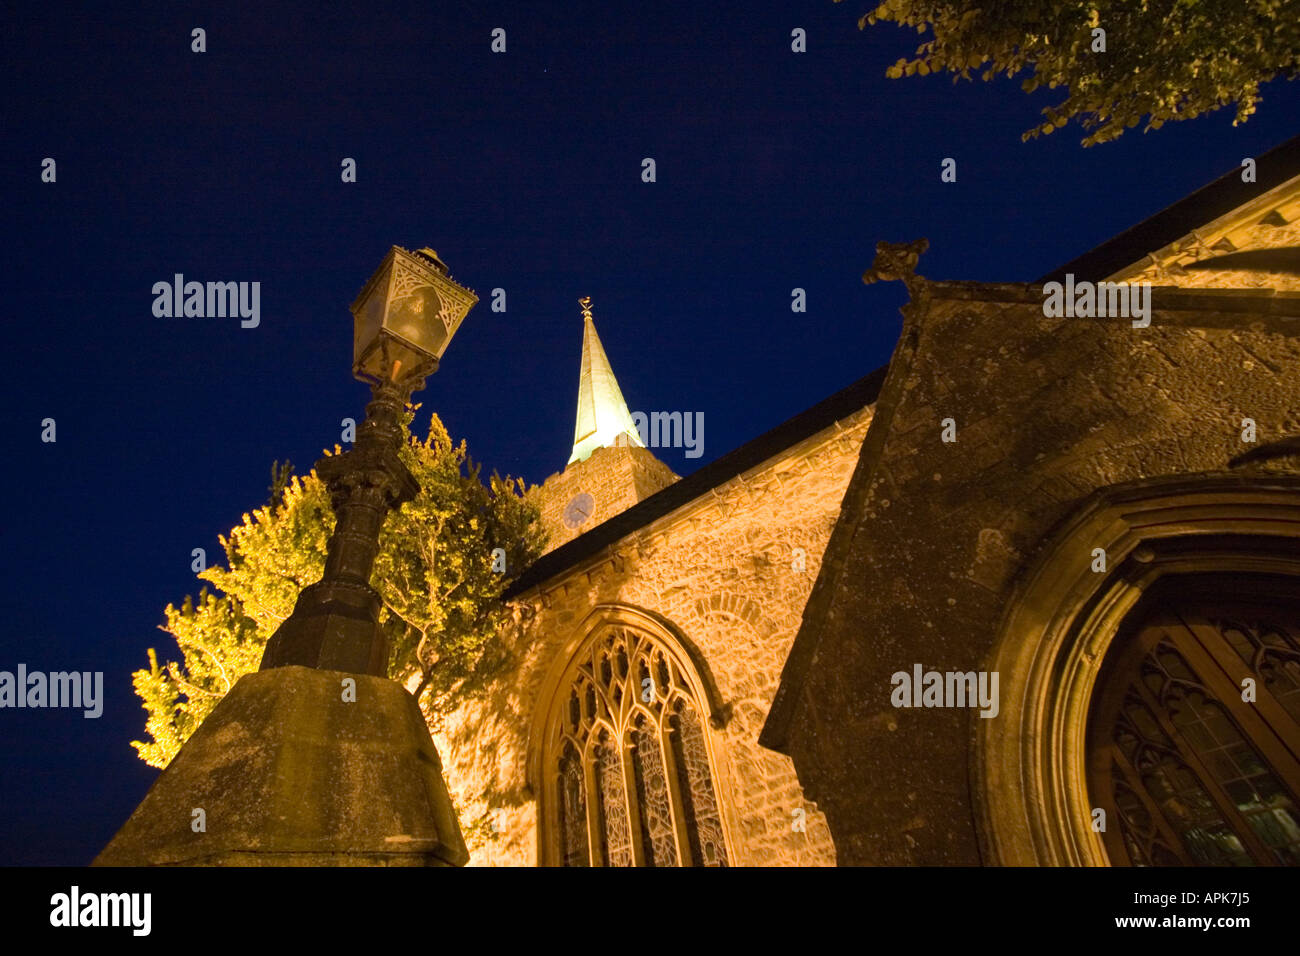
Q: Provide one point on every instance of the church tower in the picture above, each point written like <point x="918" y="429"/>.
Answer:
<point x="610" y="468"/>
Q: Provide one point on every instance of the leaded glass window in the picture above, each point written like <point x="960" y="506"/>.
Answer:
<point x="1195" y="737"/>
<point x="630" y="781"/>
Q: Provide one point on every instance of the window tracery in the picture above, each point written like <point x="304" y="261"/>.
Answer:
<point x="630" y="775"/>
<point x="1195" y="774"/>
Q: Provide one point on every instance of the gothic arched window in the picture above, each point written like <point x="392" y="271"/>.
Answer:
<point x="1196" y="741"/>
<point x="628" y="770"/>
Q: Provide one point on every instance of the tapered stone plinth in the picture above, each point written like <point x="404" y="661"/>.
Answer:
<point x="289" y="773"/>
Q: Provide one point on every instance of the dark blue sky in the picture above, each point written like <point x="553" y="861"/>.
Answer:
<point x="775" y="171"/>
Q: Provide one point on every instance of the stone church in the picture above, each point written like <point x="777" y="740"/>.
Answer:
<point x="1029" y="595"/>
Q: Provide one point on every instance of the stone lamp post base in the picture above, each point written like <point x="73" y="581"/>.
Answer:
<point x="298" y="767"/>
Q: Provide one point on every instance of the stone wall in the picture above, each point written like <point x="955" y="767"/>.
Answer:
<point x="616" y="477"/>
<point x="1046" y="412"/>
<point x="731" y="571"/>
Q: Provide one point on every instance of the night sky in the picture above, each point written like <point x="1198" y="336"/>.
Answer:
<point x="775" y="170"/>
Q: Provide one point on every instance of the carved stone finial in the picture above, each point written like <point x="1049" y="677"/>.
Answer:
<point x="897" y="260"/>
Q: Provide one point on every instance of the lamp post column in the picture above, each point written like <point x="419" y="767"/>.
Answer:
<point x="335" y="623"/>
<point x="304" y="766"/>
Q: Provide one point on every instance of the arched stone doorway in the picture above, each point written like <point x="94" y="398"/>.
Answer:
<point x="1194" y="736"/>
<point x="1196" y="567"/>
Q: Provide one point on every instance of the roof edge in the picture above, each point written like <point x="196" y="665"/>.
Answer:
<point x="1212" y="201"/>
<point x="739" y="460"/>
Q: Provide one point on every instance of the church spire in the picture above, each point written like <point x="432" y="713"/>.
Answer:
<point x="603" y="418"/>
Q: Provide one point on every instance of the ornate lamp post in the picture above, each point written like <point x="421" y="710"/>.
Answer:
<point x="317" y="758"/>
<point x="404" y="318"/>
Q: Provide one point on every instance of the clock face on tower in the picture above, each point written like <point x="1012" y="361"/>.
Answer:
<point x="580" y="507"/>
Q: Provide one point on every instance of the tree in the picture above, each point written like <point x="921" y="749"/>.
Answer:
<point x="441" y="604"/>
<point x="1161" y="60"/>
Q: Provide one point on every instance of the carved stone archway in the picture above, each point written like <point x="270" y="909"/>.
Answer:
<point x="628" y="702"/>
<point x="1030" y="770"/>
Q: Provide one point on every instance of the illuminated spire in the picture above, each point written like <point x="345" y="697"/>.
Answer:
<point x="603" y="417"/>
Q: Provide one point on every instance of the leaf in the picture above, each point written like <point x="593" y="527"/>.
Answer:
<point x="1184" y="59"/>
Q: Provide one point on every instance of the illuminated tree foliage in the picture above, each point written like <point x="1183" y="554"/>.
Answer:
<point x="1164" y="60"/>
<point x="441" y="597"/>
